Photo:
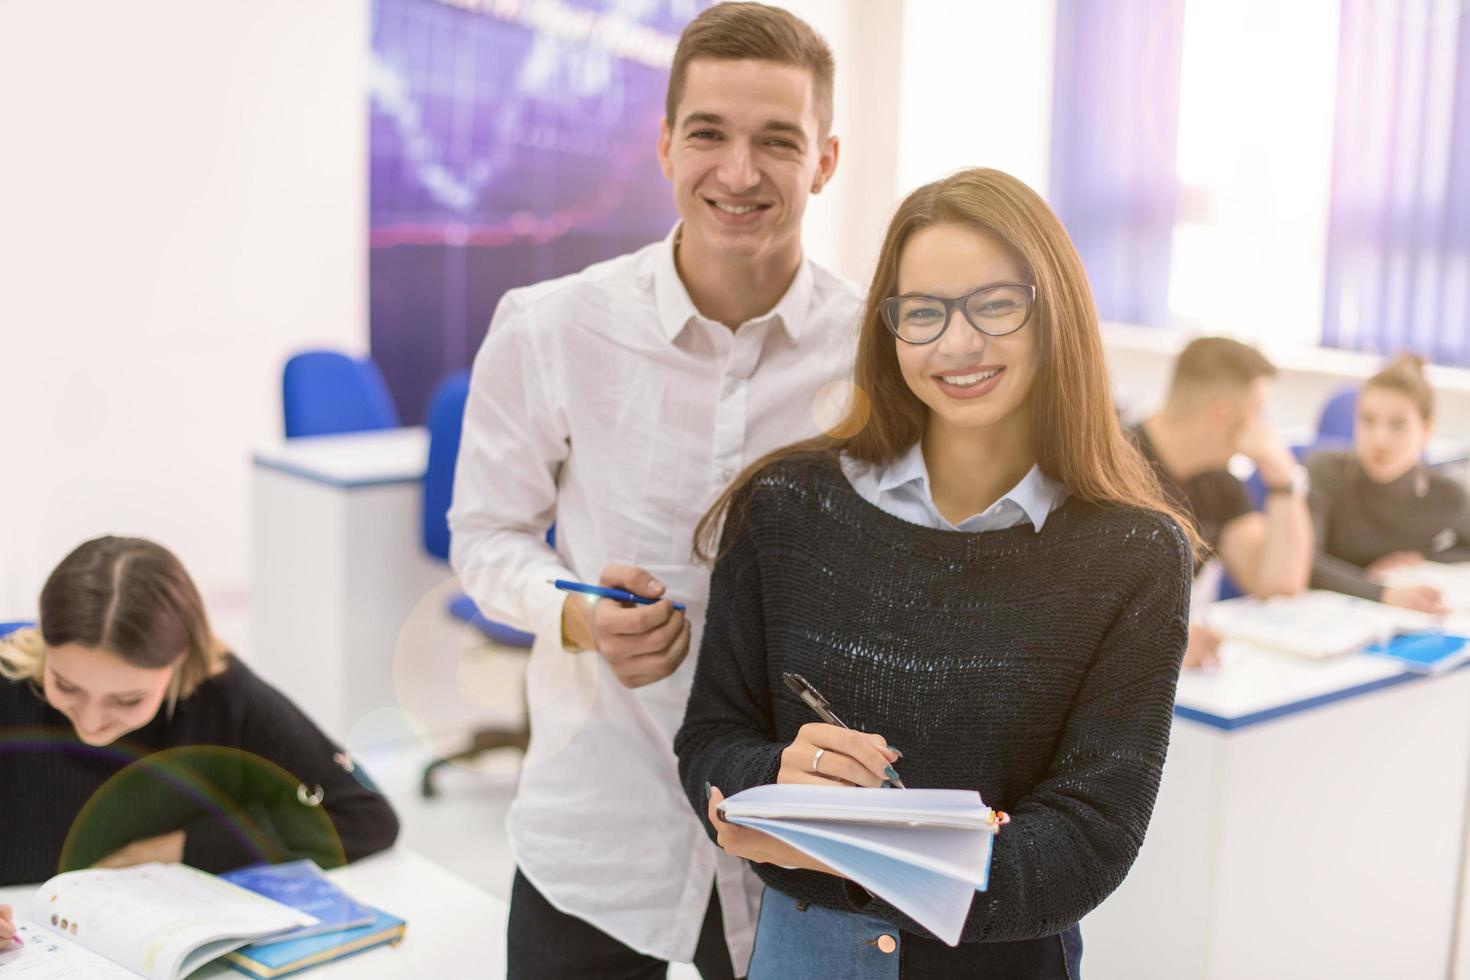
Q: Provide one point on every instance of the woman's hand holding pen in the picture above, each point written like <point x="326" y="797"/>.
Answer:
<point x="641" y="644"/>
<point x="828" y="754"/>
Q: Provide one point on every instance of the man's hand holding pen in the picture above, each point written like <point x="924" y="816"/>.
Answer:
<point x="640" y="643"/>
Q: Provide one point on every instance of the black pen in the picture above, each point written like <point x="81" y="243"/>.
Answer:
<point x="814" y="700"/>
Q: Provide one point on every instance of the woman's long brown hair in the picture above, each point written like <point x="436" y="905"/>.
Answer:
<point x="1078" y="440"/>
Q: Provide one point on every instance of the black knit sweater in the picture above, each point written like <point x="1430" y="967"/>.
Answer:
<point x="1035" y="667"/>
<point x="1358" y="521"/>
<point x="225" y="768"/>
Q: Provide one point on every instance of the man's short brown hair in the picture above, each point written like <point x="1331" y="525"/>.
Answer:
<point x="754" y="32"/>
<point x="1218" y="362"/>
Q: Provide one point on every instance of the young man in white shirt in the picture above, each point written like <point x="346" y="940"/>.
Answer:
<point x="618" y="402"/>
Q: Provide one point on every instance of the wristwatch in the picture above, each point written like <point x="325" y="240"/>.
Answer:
<point x="1296" y="482"/>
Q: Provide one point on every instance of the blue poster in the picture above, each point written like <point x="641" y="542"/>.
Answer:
<point x="510" y="141"/>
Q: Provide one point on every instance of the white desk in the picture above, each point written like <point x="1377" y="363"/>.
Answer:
<point x="451" y="923"/>
<point x="347" y="609"/>
<point x="1309" y="824"/>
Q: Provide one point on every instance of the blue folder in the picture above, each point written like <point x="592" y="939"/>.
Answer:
<point x="303" y="886"/>
<point x="269" y="960"/>
<point x="1424" y="653"/>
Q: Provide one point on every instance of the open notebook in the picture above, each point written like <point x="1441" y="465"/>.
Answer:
<point x="1452" y="581"/>
<point x="161" y="921"/>
<point x="926" y="851"/>
<point x="1314" y="624"/>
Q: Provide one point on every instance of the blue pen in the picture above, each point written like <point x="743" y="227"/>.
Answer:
<point x="617" y="595"/>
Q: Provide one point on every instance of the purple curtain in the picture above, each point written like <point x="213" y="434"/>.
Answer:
<point x="1398" y="247"/>
<point x="1115" y="123"/>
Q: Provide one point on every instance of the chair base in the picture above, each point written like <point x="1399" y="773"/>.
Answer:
<point x="481" y="740"/>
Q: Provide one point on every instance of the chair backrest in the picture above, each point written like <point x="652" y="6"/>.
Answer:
<point x="1338" y="416"/>
<point x="445" y="418"/>
<point x="325" y="392"/>
<point x="11" y="627"/>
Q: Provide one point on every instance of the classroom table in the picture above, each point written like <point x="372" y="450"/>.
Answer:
<point x="454" y="929"/>
<point x="1309" y="823"/>
<point x="347" y="608"/>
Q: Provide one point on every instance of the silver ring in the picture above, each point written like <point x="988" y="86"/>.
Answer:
<point x="817" y="759"/>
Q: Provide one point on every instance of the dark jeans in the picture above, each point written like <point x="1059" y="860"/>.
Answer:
<point x="547" y="944"/>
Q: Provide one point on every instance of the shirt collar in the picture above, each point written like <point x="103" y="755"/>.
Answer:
<point x="676" y="309"/>
<point x="1037" y="494"/>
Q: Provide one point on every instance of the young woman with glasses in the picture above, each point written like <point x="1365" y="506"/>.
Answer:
<point x="979" y="573"/>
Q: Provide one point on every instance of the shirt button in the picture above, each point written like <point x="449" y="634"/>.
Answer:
<point x="887" y="943"/>
<point x="727" y="475"/>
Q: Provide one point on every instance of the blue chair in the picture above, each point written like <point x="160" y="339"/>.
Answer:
<point x="445" y="420"/>
<point x="1335" y="426"/>
<point x="8" y="628"/>
<point x="325" y="392"/>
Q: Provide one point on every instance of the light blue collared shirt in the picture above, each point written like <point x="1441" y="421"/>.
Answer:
<point x="901" y="488"/>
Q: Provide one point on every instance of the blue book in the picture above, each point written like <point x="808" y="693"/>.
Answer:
<point x="277" y="959"/>
<point x="1424" y="653"/>
<point x="302" y="886"/>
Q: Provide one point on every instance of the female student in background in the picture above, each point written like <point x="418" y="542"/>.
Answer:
<point x="982" y="572"/>
<point x="129" y="733"/>
<point x="1379" y="507"/>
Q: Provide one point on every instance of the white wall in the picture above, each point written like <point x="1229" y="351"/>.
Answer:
<point x="184" y="190"/>
<point x="1141" y="362"/>
<point x="976" y="89"/>
<point x="845" y="223"/>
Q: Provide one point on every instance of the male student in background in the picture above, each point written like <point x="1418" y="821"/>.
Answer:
<point x="619" y="401"/>
<point x="1215" y="408"/>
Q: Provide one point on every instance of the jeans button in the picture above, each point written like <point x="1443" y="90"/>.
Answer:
<point x="885" y="943"/>
<point x="801" y="906"/>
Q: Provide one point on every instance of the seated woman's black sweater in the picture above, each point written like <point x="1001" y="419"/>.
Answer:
<point x="1035" y="667"/>
<point x="238" y="767"/>
<point x="1358" y="521"/>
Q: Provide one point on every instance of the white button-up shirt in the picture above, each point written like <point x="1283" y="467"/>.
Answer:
<point x="605" y="401"/>
<point x="902" y="489"/>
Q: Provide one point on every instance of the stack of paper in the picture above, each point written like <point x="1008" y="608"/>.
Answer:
<point x="926" y="851"/>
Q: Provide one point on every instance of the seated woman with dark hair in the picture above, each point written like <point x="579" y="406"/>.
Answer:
<point x="1378" y="507"/>
<point x="132" y="734"/>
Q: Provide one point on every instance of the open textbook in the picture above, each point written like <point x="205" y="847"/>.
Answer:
<point x="1315" y="624"/>
<point x="925" y="851"/>
<point x="161" y="921"/>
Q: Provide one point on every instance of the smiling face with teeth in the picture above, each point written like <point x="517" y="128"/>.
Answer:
<point x="968" y="380"/>
<point x="743" y="153"/>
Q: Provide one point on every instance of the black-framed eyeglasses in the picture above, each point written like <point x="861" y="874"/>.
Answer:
<point x="994" y="310"/>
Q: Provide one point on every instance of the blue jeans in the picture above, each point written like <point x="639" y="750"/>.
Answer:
<point x="800" y="939"/>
